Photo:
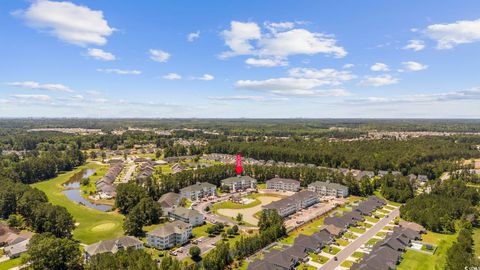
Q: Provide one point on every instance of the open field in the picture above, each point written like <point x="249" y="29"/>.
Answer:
<point x="93" y="225"/>
<point x="248" y="213"/>
<point x="10" y="264"/>
<point x="419" y="260"/>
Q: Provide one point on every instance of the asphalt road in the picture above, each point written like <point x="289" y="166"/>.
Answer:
<point x="205" y="245"/>
<point x="352" y="247"/>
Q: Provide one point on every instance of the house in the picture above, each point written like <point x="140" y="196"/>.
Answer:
<point x="412" y="226"/>
<point x="297" y="251"/>
<point x="332" y="230"/>
<point x="177" y="167"/>
<point x="261" y="265"/>
<point x="170" y="235"/>
<point x="280" y="260"/>
<point x="310" y="243"/>
<point x="324" y="237"/>
<point x="239" y="183"/>
<point x="382" y="173"/>
<point x="198" y="191"/>
<point x="294" y="203"/>
<point x="190" y="216"/>
<point x="283" y="184"/>
<point x="168" y="201"/>
<point x="113" y="246"/>
<point x="328" y="189"/>
<point x="16" y="249"/>
<point x="362" y="174"/>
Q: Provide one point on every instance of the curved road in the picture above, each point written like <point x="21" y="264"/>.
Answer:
<point x="357" y="243"/>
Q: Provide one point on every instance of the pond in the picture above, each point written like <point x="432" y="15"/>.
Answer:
<point x="74" y="193"/>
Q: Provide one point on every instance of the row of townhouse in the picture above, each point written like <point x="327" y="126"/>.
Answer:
<point x="294" y="203"/>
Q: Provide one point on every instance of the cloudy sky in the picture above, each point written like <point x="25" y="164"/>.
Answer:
<point x="269" y="58"/>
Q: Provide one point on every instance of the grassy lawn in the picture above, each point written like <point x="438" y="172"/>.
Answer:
<point x="261" y="186"/>
<point x="389" y="228"/>
<point x="372" y="242"/>
<point x="201" y="230"/>
<point x="93" y="225"/>
<point x="331" y="250"/>
<point x="304" y="266"/>
<point x="418" y="260"/>
<point x="357" y="230"/>
<point x="389" y="207"/>
<point x="364" y="224"/>
<point x="347" y="264"/>
<point x="476" y="241"/>
<point x="358" y="254"/>
<point x="232" y="205"/>
<point x="381" y="234"/>
<point x="10" y="264"/>
<point x="379" y="215"/>
<point x="342" y="242"/>
<point x="318" y="258"/>
<point x="383" y="211"/>
<point x="308" y="229"/>
<point x="372" y="219"/>
<point x="350" y="235"/>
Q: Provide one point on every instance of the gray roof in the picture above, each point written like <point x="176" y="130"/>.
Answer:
<point x="170" y="228"/>
<point x="235" y="179"/>
<point x="112" y="245"/>
<point x="169" y="200"/>
<point x="299" y="196"/>
<point x="186" y="213"/>
<point x="277" y="257"/>
<point x="198" y="187"/>
<point x="18" y="248"/>
<point x="283" y="180"/>
<point x="328" y="185"/>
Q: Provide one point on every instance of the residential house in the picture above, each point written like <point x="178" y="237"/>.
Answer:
<point x="168" y="201"/>
<point x="328" y="189"/>
<point x="112" y="246"/>
<point x="294" y="203"/>
<point x="283" y="184"/>
<point x="170" y="235"/>
<point x="239" y="183"/>
<point x="198" y="191"/>
<point x="190" y="216"/>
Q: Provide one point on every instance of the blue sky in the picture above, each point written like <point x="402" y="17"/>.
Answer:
<point x="402" y="59"/>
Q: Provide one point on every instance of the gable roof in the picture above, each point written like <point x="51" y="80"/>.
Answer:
<point x="169" y="199"/>
<point x="170" y="228"/>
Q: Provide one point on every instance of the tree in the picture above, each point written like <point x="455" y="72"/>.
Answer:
<point x="45" y="251"/>
<point x="93" y="155"/>
<point x="195" y="252"/>
<point x="122" y="260"/>
<point x="230" y="232"/>
<point x="134" y="222"/>
<point x="235" y="229"/>
<point x="128" y="195"/>
<point x="239" y="217"/>
<point x="16" y="221"/>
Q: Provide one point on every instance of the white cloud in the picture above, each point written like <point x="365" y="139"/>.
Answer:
<point x="290" y="87"/>
<point x="414" y="66"/>
<point x="93" y="93"/>
<point x="192" y="36"/>
<point x="100" y="54"/>
<point x="453" y="34"/>
<point x="469" y="94"/>
<point x="159" y="55"/>
<point x="379" y="67"/>
<point x="329" y="75"/>
<point x="299" y="41"/>
<point x="172" y="76"/>
<point x="68" y="22"/>
<point x="266" y="62"/>
<point x="119" y="71"/>
<point x="377" y="81"/>
<point x="247" y="98"/>
<point x="347" y="66"/>
<point x="55" y="87"/>
<point x="239" y="36"/>
<point x="415" y="44"/>
<point x="204" y="77"/>
<point x="282" y="41"/>
<point x="42" y="98"/>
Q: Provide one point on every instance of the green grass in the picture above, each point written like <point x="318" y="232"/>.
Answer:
<point x="383" y="211"/>
<point x="232" y="205"/>
<point x="318" y="258"/>
<point x="364" y="224"/>
<point x="10" y="264"/>
<point x="331" y="250"/>
<point x="261" y="186"/>
<point x="372" y="219"/>
<point x="358" y="254"/>
<point x="307" y="229"/>
<point x="357" y="230"/>
<point x="381" y="234"/>
<point x="476" y="241"/>
<point x="93" y="225"/>
<point x="304" y="266"/>
<point x="389" y="207"/>
<point x="350" y="235"/>
<point x="347" y="264"/>
<point x="372" y="242"/>
<point x="342" y="242"/>
<point x="201" y="230"/>
<point x="418" y="260"/>
<point x="378" y="194"/>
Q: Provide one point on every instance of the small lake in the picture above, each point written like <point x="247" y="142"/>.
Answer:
<point x="74" y="193"/>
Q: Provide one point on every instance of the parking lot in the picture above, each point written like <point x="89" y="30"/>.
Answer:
<point x="305" y="215"/>
<point x="204" y="243"/>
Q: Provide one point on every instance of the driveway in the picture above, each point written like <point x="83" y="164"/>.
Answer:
<point x="357" y="243"/>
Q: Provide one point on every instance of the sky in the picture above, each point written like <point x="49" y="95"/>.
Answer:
<point x="230" y="59"/>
